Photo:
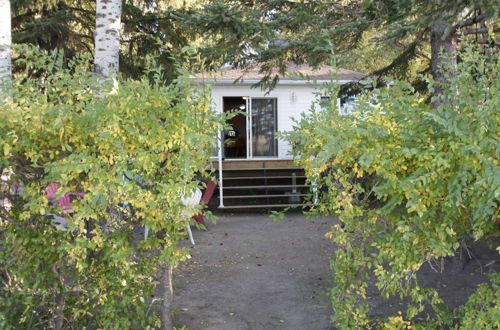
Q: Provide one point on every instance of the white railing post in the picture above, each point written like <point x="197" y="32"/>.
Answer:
<point x="221" y="192"/>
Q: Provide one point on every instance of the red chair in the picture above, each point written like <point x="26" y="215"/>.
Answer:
<point x="205" y="198"/>
<point x="65" y="201"/>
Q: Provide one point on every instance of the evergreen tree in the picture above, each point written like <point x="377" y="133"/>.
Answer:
<point x="147" y="28"/>
<point x="276" y="32"/>
<point x="59" y="24"/>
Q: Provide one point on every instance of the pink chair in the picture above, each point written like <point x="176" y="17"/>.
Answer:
<point x="65" y="201"/>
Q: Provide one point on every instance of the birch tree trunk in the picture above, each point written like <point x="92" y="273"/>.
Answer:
<point x="107" y="37"/>
<point x="5" y="43"/>
<point x="166" y="291"/>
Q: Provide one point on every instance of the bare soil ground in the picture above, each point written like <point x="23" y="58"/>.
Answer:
<point x="248" y="272"/>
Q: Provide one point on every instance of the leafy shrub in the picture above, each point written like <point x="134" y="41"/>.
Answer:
<point x="481" y="310"/>
<point x="133" y="151"/>
<point x="410" y="183"/>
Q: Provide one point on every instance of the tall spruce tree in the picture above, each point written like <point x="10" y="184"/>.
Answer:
<point x="275" y="32"/>
<point x="147" y="26"/>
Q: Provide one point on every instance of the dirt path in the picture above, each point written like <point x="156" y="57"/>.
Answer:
<point x="248" y="272"/>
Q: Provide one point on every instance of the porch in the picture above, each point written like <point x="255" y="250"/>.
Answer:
<point x="245" y="184"/>
<point x="253" y="165"/>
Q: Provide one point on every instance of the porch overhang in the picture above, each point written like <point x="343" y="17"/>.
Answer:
<point x="282" y="82"/>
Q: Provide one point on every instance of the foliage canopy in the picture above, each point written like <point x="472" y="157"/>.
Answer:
<point x="412" y="184"/>
<point x="395" y="35"/>
<point x="133" y="152"/>
<point x="69" y="25"/>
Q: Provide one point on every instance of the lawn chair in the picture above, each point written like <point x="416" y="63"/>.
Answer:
<point x="59" y="221"/>
<point x="205" y="199"/>
<point x="64" y="201"/>
<point x="191" y="202"/>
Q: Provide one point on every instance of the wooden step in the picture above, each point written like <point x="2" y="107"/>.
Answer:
<point x="263" y="206"/>
<point x="261" y="169"/>
<point x="264" y="177"/>
<point x="263" y="196"/>
<point x="268" y="186"/>
<point x="254" y="164"/>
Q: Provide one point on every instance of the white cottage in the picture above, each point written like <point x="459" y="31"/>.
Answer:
<point x="252" y="144"/>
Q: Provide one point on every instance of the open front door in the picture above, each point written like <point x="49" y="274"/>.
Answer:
<point x="263" y="123"/>
<point x="236" y="139"/>
<point x="253" y="133"/>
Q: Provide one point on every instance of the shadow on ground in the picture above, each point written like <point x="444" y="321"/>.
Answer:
<point x="248" y="272"/>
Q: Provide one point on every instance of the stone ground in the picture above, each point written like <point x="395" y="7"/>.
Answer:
<point x="248" y="272"/>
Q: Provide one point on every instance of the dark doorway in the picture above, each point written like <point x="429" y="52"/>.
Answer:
<point x="235" y="145"/>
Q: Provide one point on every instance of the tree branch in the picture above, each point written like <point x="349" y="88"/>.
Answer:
<point x="482" y="30"/>
<point x="5" y="214"/>
<point x="489" y="42"/>
<point x="467" y="22"/>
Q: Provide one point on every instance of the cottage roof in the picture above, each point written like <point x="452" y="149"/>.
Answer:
<point x="252" y="73"/>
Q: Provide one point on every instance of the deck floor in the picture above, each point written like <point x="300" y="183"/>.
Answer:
<point x="257" y="164"/>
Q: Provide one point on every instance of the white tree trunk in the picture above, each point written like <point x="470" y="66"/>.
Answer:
<point x="107" y="37"/>
<point x="5" y="43"/>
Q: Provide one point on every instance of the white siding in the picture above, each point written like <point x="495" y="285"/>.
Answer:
<point x="292" y="100"/>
